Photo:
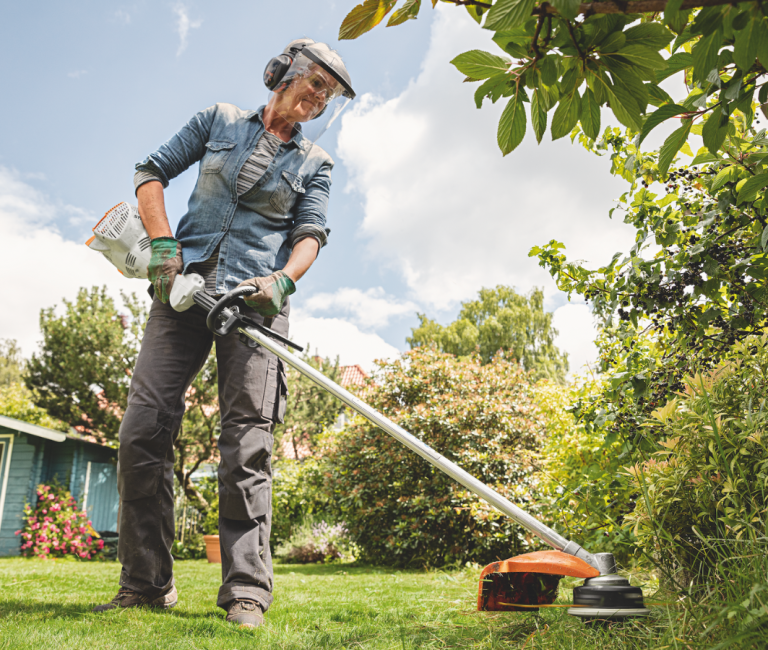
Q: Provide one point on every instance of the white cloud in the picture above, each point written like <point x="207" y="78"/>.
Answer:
<point x="183" y="25"/>
<point x="76" y="74"/>
<point x="38" y="266"/>
<point x="331" y="337"/>
<point x="577" y="332"/>
<point x="368" y="309"/>
<point x="441" y="205"/>
<point x="123" y="16"/>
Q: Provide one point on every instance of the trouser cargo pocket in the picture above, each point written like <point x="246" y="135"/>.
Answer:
<point x="245" y="472"/>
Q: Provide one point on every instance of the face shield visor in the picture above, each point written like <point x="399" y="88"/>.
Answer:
<point x="310" y="97"/>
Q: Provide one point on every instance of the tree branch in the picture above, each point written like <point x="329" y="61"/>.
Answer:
<point x="637" y="7"/>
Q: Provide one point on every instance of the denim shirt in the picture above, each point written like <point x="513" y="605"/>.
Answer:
<point x="257" y="229"/>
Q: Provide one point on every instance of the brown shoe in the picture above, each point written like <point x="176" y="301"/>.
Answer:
<point x="130" y="598"/>
<point x="245" y="613"/>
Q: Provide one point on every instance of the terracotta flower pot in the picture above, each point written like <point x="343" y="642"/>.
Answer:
<point x="212" y="548"/>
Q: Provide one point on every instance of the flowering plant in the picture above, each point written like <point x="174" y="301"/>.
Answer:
<point x="56" y="528"/>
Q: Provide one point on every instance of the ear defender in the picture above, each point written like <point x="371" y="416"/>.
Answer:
<point x="276" y="69"/>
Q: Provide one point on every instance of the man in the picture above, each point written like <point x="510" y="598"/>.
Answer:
<point x="256" y="217"/>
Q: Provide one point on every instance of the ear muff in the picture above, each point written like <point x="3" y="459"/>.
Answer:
<point x="276" y="69"/>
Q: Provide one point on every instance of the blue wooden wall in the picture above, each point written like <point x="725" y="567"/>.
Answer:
<point x="37" y="460"/>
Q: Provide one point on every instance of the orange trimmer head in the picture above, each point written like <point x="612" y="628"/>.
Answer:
<point x="526" y="582"/>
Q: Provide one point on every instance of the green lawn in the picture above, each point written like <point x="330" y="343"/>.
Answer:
<point x="46" y="605"/>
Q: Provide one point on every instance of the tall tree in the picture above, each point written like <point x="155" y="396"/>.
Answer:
<point x="500" y="319"/>
<point x="11" y="362"/>
<point x="82" y="371"/>
<point x="310" y="409"/>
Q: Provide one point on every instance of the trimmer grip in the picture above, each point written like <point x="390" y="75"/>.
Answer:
<point x="183" y="290"/>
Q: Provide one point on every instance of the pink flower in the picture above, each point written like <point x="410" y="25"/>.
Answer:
<point x="45" y="512"/>
<point x="51" y="497"/>
<point x="18" y="532"/>
<point x="100" y="544"/>
<point x="55" y="506"/>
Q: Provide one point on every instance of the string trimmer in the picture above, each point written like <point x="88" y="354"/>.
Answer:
<point x="521" y="583"/>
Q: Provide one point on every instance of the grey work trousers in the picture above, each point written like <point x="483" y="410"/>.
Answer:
<point x="252" y="392"/>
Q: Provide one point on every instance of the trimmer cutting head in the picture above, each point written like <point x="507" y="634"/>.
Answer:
<point x="529" y="581"/>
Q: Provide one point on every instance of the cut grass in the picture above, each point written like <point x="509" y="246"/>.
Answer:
<point x="46" y="604"/>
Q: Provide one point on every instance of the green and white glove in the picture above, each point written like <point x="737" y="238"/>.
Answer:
<point x="273" y="290"/>
<point x="164" y="265"/>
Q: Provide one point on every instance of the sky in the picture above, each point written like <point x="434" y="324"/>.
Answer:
<point x="424" y="209"/>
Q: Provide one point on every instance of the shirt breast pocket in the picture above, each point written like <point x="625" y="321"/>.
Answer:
<point x="216" y="155"/>
<point x="288" y="189"/>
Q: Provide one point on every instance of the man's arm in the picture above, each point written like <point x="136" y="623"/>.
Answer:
<point x="303" y="255"/>
<point x="152" y="210"/>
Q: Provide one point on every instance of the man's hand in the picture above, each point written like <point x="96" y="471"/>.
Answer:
<point x="273" y="290"/>
<point x="164" y="265"/>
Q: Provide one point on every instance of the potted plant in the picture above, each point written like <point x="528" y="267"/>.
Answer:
<point x="211" y="533"/>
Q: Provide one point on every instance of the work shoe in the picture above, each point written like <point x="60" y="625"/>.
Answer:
<point x="130" y="598"/>
<point x="246" y="613"/>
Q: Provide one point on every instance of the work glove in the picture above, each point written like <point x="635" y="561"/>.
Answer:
<point x="164" y="265"/>
<point x="273" y="290"/>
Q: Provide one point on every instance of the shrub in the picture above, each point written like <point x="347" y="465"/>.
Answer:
<point x="193" y="547"/>
<point x="298" y="496"/>
<point x="320" y="542"/>
<point x="56" y="528"/>
<point x="399" y="509"/>
<point x="583" y="478"/>
<point x="708" y="479"/>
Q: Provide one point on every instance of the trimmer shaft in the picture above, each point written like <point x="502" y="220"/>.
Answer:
<point x="607" y="598"/>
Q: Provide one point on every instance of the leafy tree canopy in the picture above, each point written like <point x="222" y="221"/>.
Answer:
<point x="81" y="373"/>
<point x="17" y="402"/>
<point x="500" y="319"/>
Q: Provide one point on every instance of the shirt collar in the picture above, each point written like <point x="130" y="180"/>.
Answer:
<point x="298" y="139"/>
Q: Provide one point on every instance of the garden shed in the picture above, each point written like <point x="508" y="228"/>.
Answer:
<point x="30" y="455"/>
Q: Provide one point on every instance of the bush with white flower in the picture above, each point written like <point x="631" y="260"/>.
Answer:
<point x="55" y="527"/>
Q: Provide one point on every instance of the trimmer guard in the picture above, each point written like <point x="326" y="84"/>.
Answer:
<point x="522" y="583"/>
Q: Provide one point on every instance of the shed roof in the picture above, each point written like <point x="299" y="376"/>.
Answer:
<point x="32" y="429"/>
<point x="352" y="376"/>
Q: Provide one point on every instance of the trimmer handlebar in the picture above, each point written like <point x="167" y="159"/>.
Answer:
<point x="224" y="316"/>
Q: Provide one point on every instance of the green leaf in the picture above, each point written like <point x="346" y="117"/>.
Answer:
<point x="704" y="156"/>
<point x="613" y="42"/>
<point x="364" y="17"/>
<point x="643" y="56"/>
<point x="590" y="115"/>
<point x="723" y="176"/>
<point x="657" y="117"/>
<point x="568" y="9"/>
<point x="745" y="45"/>
<point x="749" y="190"/>
<point x="476" y="13"/>
<point x="629" y="89"/>
<point x="566" y="115"/>
<point x="623" y="107"/>
<point x="673" y="16"/>
<point x="658" y="96"/>
<point x="672" y="145"/>
<point x="538" y="116"/>
<point x="650" y="35"/>
<point x="675" y="64"/>
<point x="408" y="12"/>
<point x="548" y="70"/>
<point x="512" y="125"/>
<point x="506" y="14"/>
<point x="764" y="238"/>
<point x="480" y="65"/>
<point x="492" y="88"/>
<point x="705" y="55"/>
<point x="714" y="131"/>
<point x="762" y="43"/>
